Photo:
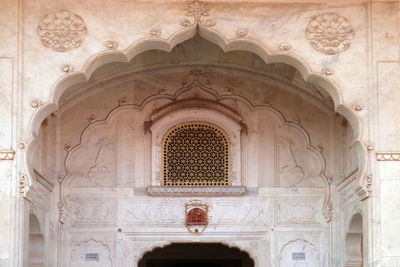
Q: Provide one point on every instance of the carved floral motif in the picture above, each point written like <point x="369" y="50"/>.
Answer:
<point x="111" y="44"/>
<point x="198" y="10"/>
<point x="24" y="183"/>
<point x="62" y="30"/>
<point x="241" y="33"/>
<point x="330" y="33"/>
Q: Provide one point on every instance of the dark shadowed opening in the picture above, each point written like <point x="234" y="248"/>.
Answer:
<point x="196" y="255"/>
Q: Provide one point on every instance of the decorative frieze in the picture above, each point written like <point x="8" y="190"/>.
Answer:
<point x="388" y="156"/>
<point x="196" y="191"/>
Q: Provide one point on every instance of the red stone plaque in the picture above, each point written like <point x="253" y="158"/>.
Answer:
<point x="196" y="216"/>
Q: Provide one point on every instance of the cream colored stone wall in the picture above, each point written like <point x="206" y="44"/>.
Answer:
<point x="361" y="80"/>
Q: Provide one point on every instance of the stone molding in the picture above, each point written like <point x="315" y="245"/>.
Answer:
<point x="7" y="155"/>
<point x="388" y="156"/>
<point x="348" y="180"/>
<point x="43" y="181"/>
<point x="172" y="191"/>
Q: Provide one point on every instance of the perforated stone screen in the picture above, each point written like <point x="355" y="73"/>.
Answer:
<point x="196" y="154"/>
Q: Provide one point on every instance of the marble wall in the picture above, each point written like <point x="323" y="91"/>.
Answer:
<point x="310" y="84"/>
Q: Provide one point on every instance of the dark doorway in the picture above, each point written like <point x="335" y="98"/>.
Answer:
<point x="196" y="255"/>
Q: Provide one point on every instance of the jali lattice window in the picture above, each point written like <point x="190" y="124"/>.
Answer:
<point x="196" y="154"/>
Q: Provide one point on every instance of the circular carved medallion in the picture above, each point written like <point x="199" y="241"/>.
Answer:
<point x="62" y="30"/>
<point x="330" y="33"/>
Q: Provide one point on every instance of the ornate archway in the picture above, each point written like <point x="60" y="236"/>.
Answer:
<point x="97" y="62"/>
<point x="196" y="254"/>
<point x="226" y="45"/>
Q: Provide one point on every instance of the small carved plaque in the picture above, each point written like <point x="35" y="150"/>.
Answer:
<point x="92" y="257"/>
<point x="196" y="216"/>
<point x="298" y="256"/>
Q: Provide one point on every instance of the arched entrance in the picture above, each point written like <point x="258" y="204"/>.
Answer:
<point x="354" y="242"/>
<point x="196" y="255"/>
<point x="36" y="243"/>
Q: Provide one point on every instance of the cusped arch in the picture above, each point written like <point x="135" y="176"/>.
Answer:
<point x="165" y="244"/>
<point x="142" y="45"/>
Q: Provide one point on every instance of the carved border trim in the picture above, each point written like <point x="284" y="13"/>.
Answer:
<point x="348" y="180"/>
<point x="388" y="156"/>
<point x="43" y="181"/>
<point x="195" y="191"/>
<point x="7" y="155"/>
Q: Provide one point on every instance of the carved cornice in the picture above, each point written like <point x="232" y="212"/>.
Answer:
<point x="7" y="154"/>
<point x="388" y="156"/>
<point x="348" y="180"/>
<point x="164" y="191"/>
<point x="43" y="181"/>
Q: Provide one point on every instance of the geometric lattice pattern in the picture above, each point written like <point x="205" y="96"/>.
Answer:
<point x="195" y="154"/>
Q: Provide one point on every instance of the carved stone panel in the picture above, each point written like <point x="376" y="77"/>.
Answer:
<point x="298" y="249"/>
<point x="222" y="213"/>
<point x="299" y="164"/>
<point x="91" y="250"/>
<point x="298" y="211"/>
<point x="258" y="212"/>
<point x="92" y="212"/>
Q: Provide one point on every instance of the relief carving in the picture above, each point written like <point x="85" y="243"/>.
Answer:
<point x="90" y="164"/>
<point x="300" y="165"/>
<point x="299" y="245"/>
<point x="330" y="33"/>
<point x="7" y="155"/>
<point x="388" y="156"/>
<point x="241" y="213"/>
<point x="100" y="172"/>
<point x="91" y="246"/>
<point x="298" y="211"/>
<point x="256" y="212"/>
<point x="89" y="213"/>
<point x="153" y="213"/>
<point x="291" y="173"/>
<point x="25" y="183"/>
<point x="62" y="30"/>
<point x="241" y="33"/>
<point x="199" y="11"/>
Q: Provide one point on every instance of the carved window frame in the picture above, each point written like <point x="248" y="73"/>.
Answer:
<point x="162" y="125"/>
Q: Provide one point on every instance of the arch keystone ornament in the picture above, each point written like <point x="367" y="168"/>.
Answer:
<point x="198" y="10"/>
<point x="62" y="30"/>
<point x="330" y="33"/>
<point x="196" y="216"/>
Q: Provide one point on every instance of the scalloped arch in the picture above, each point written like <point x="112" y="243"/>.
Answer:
<point x="167" y="45"/>
<point x="230" y="245"/>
